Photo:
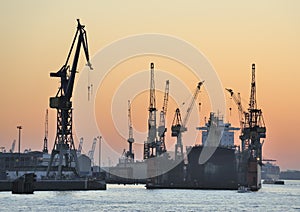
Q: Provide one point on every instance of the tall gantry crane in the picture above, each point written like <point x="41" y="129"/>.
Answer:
<point x="255" y="127"/>
<point x="161" y="130"/>
<point x="64" y="144"/>
<point x="45" y="147"/>
<point x="150" y="144"/>
<point x="252" y="130"/>
<point x="129" y="154"/>
<point x="252" y="122"/>
<point x="179" y="126"/>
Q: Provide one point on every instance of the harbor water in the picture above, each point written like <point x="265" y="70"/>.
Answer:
<point x="137" y="198"/>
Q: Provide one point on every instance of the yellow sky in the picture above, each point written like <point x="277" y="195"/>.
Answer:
<point x="36" y="36"/>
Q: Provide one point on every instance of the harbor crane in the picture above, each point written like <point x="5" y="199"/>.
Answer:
<point x="80" y="146"/>
<point x="252" y="131"/>
<point x="161" y="146"/>
<point x="255" y="127"/>
<point x="242" y="112"/>
<point x="237" y="100"/>
<point x="129" y="154"/>
<point x="45" y="147"/>
<point x="92" y="151"/>
<point x="150" y="144"/>
<point x="179" y="126"/>
<point x="13" y="146"/>
<point x="64" y="146"/>
<point x="251" y="121"/>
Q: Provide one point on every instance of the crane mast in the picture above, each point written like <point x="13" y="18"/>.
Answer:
<point x="253" y="104"/>
<point x="129" y="154"/>
<point x="64" y="144"/>
<point x="150" y="144"/>
<point x="161" y="146"/>
<point x="45" y="148"/>
<point x="179" y="126"/>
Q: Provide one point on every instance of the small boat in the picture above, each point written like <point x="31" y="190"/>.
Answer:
<point x="272" y="181"/>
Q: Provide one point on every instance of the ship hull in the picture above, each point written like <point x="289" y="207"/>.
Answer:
<point x="220" y="171"/>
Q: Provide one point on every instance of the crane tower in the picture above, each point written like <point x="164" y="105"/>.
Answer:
<point x="64" y="146"/>
<point x="129" y="154"/>
<point x="45" y="147"/>
<point x="150" y="144"/>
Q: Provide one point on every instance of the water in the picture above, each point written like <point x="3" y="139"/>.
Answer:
<point x="137" y="198"/>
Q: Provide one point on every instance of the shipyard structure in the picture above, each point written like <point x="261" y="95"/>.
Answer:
<point x="227" y="166"/>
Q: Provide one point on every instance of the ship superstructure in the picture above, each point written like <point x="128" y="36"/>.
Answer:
<point x="217" y="122"/>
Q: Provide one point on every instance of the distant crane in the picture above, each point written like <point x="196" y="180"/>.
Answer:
<point x="129" y="154"/>
<point x="242" y="113"/>
<point x="45" y="148"/>
<point x="161" y="146"/>
<point x="179" y="126"/>
<point x="80" y="146"/>
<point x="92" y="151"/>
<point x="237" y="100"/>
<point x="13" y="147"/>
<point x="64" y="144"/>
<point x="150" y="144"/>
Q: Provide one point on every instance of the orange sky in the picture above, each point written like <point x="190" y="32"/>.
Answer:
<point x="36" y="36"/>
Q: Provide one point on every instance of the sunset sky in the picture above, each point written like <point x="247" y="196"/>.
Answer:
<point x="36" y="37"/>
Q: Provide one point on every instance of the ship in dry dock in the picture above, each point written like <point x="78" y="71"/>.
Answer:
<point x="228" y="166"/>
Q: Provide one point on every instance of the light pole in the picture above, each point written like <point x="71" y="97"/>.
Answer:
<point x="20" y="128"/>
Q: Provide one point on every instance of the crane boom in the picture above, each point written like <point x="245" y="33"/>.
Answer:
<point x="166" y="98"/>
<point x="237" y="100"/>
<point x="67" y="83"/>
<point x="189" y="110"/>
